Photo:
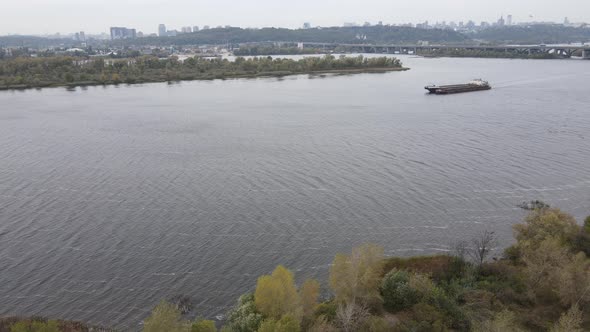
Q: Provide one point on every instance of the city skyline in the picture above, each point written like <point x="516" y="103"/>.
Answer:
<point x="95" y="17"/>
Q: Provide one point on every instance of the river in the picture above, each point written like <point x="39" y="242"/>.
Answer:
<point x="114" y="198"/>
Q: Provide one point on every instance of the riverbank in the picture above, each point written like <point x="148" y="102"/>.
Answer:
<point x="236" y="76"/>
<point x="40" y="324"/>
<point x="540" y="283"/>
<point x="27" y="73"/>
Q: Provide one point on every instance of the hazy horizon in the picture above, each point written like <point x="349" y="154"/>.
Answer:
<point x="38" y="17"/>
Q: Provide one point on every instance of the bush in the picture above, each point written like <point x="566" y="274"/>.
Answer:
<point x="376" y="324"/>
<point x="287" y="323"/>
<point x="164" y="317"/>
<point x="202" y="325"/>
<point x="454" y="316"/>
<point x="397" y="293"/>
<point x="326" y="310"/>
<point x="35" y="326"/>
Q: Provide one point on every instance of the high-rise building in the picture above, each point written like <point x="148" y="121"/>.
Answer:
<point x="82" y="36"/>
<point x="195" y="28"/>
<point x="509" y="20"/>
<point x="162" y="30"/>
<point x="501" y="21"/>
<point x="306" y="25"/>
<point x="122" y="33"/>
<point x="186" y="29"/>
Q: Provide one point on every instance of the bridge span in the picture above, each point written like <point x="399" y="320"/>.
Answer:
<point x="567" y="51"/>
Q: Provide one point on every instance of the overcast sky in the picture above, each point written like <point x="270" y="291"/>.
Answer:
<point x="94" y="16"/>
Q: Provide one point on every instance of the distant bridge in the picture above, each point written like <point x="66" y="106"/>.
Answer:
<point x="561" y="50"/>
<point x="565" y="51"/>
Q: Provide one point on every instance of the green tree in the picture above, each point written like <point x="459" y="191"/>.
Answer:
<point x="276" y="294"/>
<point x="244" y="317"/>
<point x="397" y="293"/>
<point x="165" y="317"/>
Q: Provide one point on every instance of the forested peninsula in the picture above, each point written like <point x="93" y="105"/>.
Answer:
<point x="541" y="283"/>
<point x="23" y="73"/>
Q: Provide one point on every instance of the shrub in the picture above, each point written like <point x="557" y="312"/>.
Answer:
<point x="35" y="326"/>
<point x="326" y="310"/>
<point x="287" y="323"/>
<point x="321" y="324"/>
<point x="439" y="267"/>
<point x="202" y="325"/>
<point x="375" y="324"/>
<point x="504" y="321"/>
<point x="571" y="321"/>
<point x="397" y="293"/>
<point x="454" y="317"/>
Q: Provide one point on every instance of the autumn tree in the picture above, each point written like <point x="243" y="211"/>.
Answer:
<point x="573" y="281"/>
<point x="355" y="278"/>
<point x="504" y="321"/>
<point x="544" y="223"/>
<point x="308" y="295"/>
<point x="276" y="294"/>
<point x="571" y="321"/>
<point x="542" y="261"/>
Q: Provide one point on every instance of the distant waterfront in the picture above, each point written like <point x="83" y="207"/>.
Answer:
<point x="25" y="73"/>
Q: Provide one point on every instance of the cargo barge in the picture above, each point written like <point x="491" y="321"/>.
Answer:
<point x="475" y="85"/>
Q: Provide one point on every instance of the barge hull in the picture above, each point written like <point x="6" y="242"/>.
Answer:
<point x="458" y="88"/>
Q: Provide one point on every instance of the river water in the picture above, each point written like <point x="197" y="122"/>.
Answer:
<point x="113" y="198"/>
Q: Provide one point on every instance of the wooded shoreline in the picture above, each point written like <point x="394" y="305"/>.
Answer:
<point x="29" y="73"/>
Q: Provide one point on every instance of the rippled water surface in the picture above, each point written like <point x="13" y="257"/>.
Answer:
<point x="114" y="198"/>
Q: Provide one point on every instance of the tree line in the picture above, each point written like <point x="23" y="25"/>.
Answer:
<point x="70" y="71"/>
<point x="541" y="283"/>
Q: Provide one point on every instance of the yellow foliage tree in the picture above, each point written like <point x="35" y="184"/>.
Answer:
<point x="288" y="323"/>
<point x="571" y="321"/>
<point x="543" y="262"/>
<point x="308" y="295"/>
<point x="574" y="281"/>
<point x="276" y="294"/>
<point x="358" y="276"/>
<point x="545" y="223"/>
